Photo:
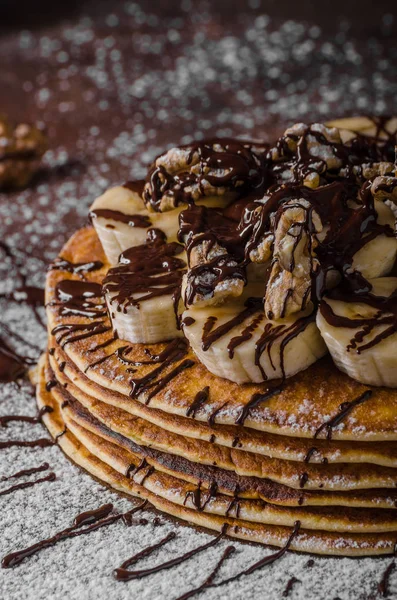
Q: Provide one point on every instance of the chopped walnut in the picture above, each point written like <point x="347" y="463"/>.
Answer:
<point x="215" y="168"/>
<point x="20" y="151"/>
<point x="213" y="275"/>
<point x="285" y="294"/>
<point x="263" y="252"/>
<point x="385" y="188"/>
<point x="305" y="153"/>
<point x="295" y="239"/>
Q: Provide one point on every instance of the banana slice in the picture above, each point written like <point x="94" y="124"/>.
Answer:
<point x="121" y="220"/>
<point x="237" y="342"/>
<point x="377" y="257"/>
<point x="362" y="335"/>
<point x="142" y="292"/>
<point x="381" y="127"/>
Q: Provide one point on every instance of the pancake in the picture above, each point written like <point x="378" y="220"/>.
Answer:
<point x="306" y="540"/>
<point x="250" y="440"/>
<point x="336" y="476"/>
<point x="306" y="402"/>
<point x="227" y="481"/>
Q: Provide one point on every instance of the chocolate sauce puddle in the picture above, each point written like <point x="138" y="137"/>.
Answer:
<point x="12" y="365"/>
<point x="78" y="298"/>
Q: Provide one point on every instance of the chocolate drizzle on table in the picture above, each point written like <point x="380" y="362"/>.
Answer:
<point x="228" y="551"/>
<point x="39" y="443"/>
<point x="90" y="520"/>
<point x="24" y="294"/>
<point x="123" y="574"/>
<point x="13" y="364"/>
<point x="5" y="419"/>
<point x="27" y="484"/>
<point x="383" y="585"/>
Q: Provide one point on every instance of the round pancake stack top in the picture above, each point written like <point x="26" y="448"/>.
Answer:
<point x="222" y="340"/>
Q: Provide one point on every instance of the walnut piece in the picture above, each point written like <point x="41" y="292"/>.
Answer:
<point x="213" y="274"/>
<point x="304" y="153"/>
<point x="295" y="239"/>
<point x="213" y="168"/>
<point x="21" y="149"/>
<point x="385" y="188"/>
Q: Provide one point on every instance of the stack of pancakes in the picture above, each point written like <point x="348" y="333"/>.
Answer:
<point x="209" y="451"/>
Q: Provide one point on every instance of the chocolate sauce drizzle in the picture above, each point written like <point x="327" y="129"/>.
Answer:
<point x="383" y="585"/>
<point x="12" y="365"/>
<point x="27" y="484"/>
<point x="267" y="560"/>
<point x="344" y="410"/>
<point x="309" y="454"/>
<point x="93" y="519"/>
<point x="39" y="443"/>
<point x="123" y="574"/>
<point x="196" y="495"/>
<point x="290" y="584"/>
<point x="255" y="401"/>
<point x="62" y="264"/>
<point x="29" y="295"/>
<point x="384" y="318"/>
<point x="80" y="299"/>
<point x="229" y="550"/>
<point x="153" y="382"/>
<point x="140" y="221"/>
<point x="5" y="419"/>
<point x="200" y="398"/>
<point x="44" y="467"/>
<point x="88" y="330"/>
<point x="144" y="272"/>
